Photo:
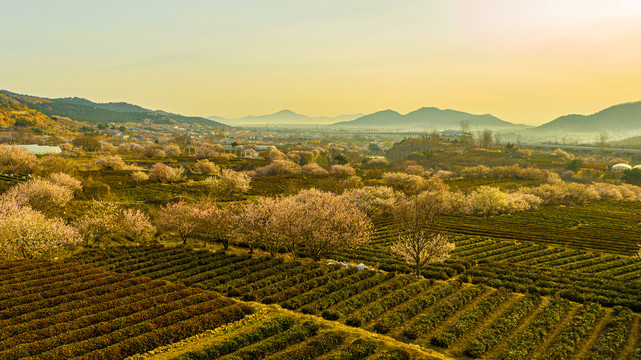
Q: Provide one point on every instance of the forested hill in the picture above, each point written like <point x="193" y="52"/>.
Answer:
<point x="83" y="110"/>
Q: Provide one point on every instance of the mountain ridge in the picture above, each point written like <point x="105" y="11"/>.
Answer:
<point x="425" y="117"/>
<point x="616" y="118"/>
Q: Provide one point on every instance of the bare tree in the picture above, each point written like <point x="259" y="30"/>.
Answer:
<point x="466" y="136"/>
<point x="417" y="243"/>
<point x="422" y="248"/>
<point x="603" y="139"/>
<point x="485" y="138"/>
<point x="497" y="139"/>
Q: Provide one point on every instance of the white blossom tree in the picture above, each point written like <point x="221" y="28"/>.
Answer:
<point x="27" y="233"/>
<point x="41" y="195"/>
<point x="164" y="173"/>
<point x="104" y="219"/>
<point x="66" y="180"/>
<point x="229" y="182"/>
<point x="98" y="221"/>
<point x="15" y="159"/>
<point x="325" y="222"/>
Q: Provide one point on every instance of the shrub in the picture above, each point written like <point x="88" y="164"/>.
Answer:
<point x="342" y="170"/>
<point x="563" y="154"/>
<point x="114" y="162"/>
<point x="140" y="176"/>
<point x="164" y="173"/>
<point x="87" y="143"/>
<point x="172" y="150"/>
<point x="313" y="169"/>
<point x="94" y="189"/>
<point x="275" y="154"/>
<point x="207" y="167"/>
<point x="66" y="147"/>
<point x="378" y="161"/>
<point x="107" y="147"/>
<point x="278" y="167"/>
<point x="415" y="170"/>
<point x="229" y="182"/>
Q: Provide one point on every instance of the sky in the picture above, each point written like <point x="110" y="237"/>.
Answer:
<point x="522" y="61"/>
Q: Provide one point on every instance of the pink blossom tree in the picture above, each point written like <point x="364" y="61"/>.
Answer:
<point x="136" y="224"/>
<point x="181" y="218"/>
<point x="313" y="169"/>
<point x="216" y="222"/>
<point x="254" y="225"/>
<point x="206" y="151"/>
<point x="278" y="167"/>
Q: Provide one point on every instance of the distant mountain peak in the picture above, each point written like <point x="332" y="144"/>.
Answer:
<point x="287" y="112"/>
<point x="422" y="118"/>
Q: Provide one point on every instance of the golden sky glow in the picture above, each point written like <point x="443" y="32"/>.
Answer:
<point x="523" y="61"/>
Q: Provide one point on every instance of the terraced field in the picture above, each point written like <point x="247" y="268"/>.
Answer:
<point x="56" y="310"/>
<point x="455" y="318"/>
<point x="611" y="227"/>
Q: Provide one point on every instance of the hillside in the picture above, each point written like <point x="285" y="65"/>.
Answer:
<point x="285" y="117"/>
<point x="83" y="110"/>
<point x="425" y="118"/>
<point x="622" y="118"/>
<point x="15" y="113"/>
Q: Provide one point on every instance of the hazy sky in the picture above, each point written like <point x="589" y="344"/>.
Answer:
<point x="523" y="61"/>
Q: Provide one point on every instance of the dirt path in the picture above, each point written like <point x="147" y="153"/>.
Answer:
<point x="584" y="346"/>
<point x="632" y="342"/>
